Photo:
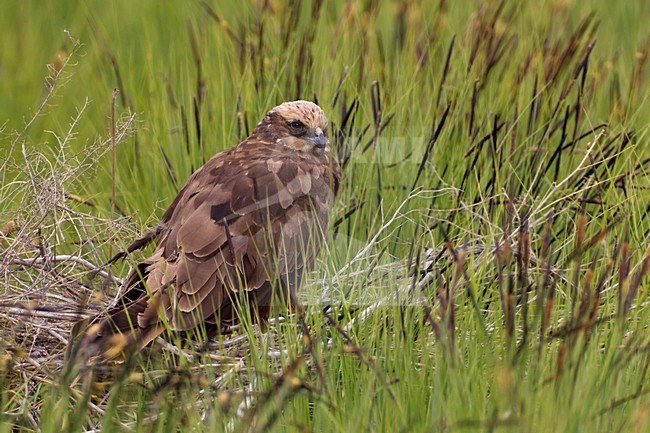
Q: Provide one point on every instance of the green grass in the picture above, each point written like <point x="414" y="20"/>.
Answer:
<point x="485" y="269"/>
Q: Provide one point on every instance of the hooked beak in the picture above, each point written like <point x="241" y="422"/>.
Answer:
<point x="318" y="139"/>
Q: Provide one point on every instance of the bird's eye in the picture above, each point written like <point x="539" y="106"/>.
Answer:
<point x="296" y="125"/>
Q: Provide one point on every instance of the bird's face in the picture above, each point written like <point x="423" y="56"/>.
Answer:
<point x="297" y="125"/>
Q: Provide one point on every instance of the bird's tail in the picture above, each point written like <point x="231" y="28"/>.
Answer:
<point x="113" y="335"/>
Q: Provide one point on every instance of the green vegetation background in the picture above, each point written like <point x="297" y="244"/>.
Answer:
<point x="507" y="90"/>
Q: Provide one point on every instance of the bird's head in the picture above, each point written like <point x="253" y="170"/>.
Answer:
<point x="298" y="125"/>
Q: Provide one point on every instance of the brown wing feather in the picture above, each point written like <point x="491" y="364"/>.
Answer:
<point x="249" y="217"/>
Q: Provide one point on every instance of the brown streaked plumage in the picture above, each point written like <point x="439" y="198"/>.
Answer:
<point x="250" y="221"/>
